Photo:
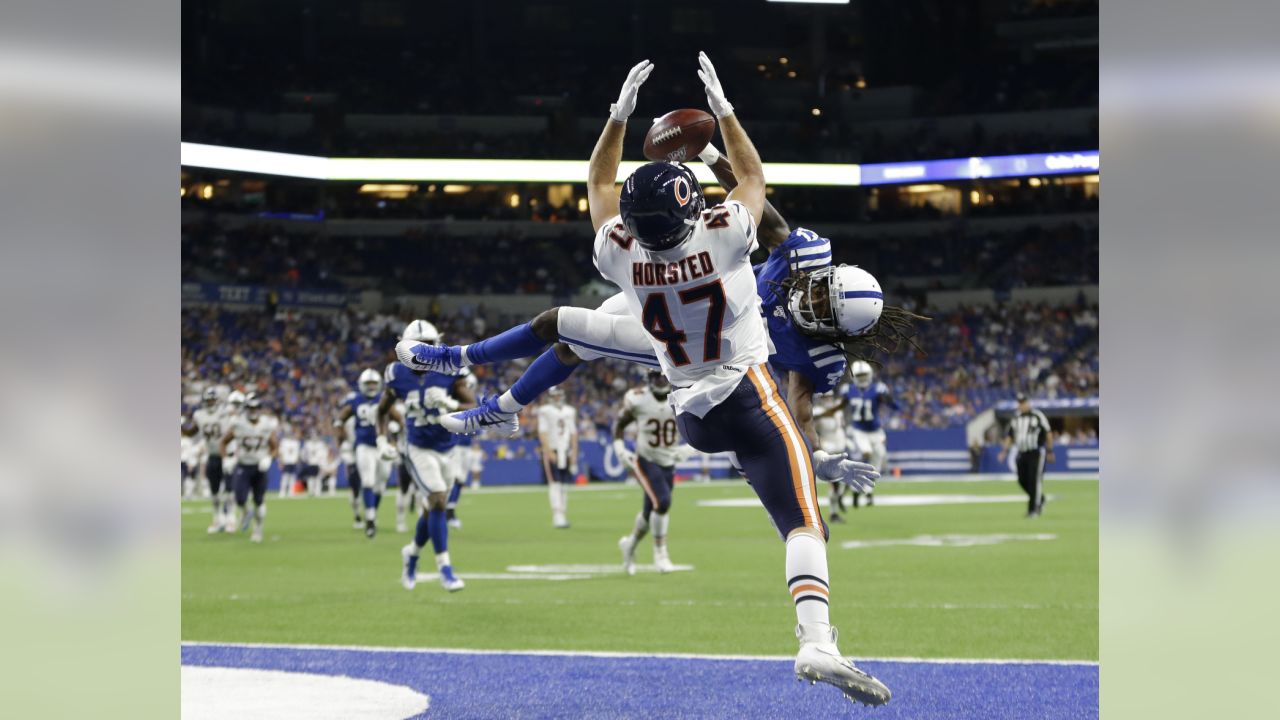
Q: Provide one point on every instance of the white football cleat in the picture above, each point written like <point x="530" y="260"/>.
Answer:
<point x="661" y="560"/>
<point x="488" y="414"/>
<point x="400" y="527"/>
<point x="449" y="581"/>
<point x="628" y="548"/>
<point x="217" y="526"/>
<point x="425" y="357"/>
<point x="256" y="536"/>
<point x="409" y="567"/>
<point x="819" y="660"/>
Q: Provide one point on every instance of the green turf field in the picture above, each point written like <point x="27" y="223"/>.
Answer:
<point x="316" y="580"/>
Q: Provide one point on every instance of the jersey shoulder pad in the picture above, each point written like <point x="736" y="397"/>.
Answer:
<point x="611" y="238"/>
<point x="806" y="250"/>
<point x="732" y="215"/>
<point x="633" y="397"/>
<point x="881" y="388"/>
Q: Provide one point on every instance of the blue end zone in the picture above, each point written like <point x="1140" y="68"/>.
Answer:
<point x="463" y="685"/>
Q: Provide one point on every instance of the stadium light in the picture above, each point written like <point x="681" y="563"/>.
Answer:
<point x="390" y="170"/>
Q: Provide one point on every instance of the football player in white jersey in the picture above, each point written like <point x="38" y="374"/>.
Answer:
<point x="210" y="421"/>
<point x="255" y="437"/>
<point x="315" y="459"/>
<point x="658" y="449"/>
<point x="558" y="446"/>
<point x="685" y="273"/>
<point x="290" y="459"/>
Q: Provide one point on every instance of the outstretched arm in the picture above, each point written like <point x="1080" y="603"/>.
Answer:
<point x="773" y="230"/>
<point x="742" y="154"/>
<point x="602" y="175"/>
<point x="800" y="398"/>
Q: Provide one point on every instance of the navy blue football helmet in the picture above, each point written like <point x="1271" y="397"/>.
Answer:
<point x="660" y="204"/>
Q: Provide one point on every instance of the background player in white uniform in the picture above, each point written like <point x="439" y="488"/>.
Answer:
<point x="254" y="434"/>
<point x="290" y="460"/>
<point x="210" y="422"/>
<point x="558" y="445"/>
<point x="828" y="424"/>
<point x="315" y="459"/>
<point x="460" y="460"/>
<point x="658" y="449"/>
<point x="345" y="430"/>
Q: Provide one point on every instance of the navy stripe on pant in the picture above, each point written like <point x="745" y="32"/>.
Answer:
<point x="660" y="481"/>
<point x="767" y="453"/>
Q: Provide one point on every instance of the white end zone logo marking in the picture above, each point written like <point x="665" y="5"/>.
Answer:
<point x="552" y="572"/>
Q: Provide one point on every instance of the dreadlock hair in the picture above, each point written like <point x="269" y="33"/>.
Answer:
<point x="895" y="328"/>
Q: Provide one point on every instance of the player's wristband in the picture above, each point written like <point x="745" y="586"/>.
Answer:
<point x="709" y="155"/>
<point x="613" y="114"/>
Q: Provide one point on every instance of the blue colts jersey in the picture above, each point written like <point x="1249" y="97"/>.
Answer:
<point x="864" y="405"/>
<point x="365" y="411"/>
<point x="423" y="422"/>
<point x="822" y="363"/>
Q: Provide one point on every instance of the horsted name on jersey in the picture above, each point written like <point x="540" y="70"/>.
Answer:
<point x="657" y="438"/>
<point x="697" y="302"/>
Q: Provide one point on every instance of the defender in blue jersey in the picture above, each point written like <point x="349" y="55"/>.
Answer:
<point x="425" y="395"/>
<point x="860" y="402"/>
<point x="373" y="458"/>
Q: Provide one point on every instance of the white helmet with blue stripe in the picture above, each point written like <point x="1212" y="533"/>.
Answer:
<point x="421" y="331"/>
<point x="836" y="301"/>
<point x="370" y="382"/>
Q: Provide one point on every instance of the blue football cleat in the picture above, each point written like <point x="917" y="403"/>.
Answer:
<point x="421" y="357"/>
<point x="485" y="415"/>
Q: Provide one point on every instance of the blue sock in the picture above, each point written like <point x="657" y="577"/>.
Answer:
<point x="543" y="374"/>
<point x="377" y="500"/>
<point x="439" y="529"/>
<point x="518" y="342"/>
<point x="454" y="494"/>
<point x="420" y="533"/>
<point x="370" y="499"/>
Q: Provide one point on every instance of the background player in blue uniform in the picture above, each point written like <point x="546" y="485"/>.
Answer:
<point x="861" y="401"/>
<point x="373" y="458"/>
<point x="426" y="396"/>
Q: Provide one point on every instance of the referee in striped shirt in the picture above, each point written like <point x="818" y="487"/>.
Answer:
<point x="1030" y="432"/>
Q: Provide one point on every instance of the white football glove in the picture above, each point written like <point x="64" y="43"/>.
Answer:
<point x="710" y="154"/>
<point x="264" y="464"/>
<point x="625" y="456"/>
<point x="386" y="450"/>
<point x="626" y="104"/>
<point x="837" y="468"/>
<point x="438" y="397"/>
<point x="715" y="94"/>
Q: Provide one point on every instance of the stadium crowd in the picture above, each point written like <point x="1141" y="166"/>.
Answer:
<point x="302" y="364"/>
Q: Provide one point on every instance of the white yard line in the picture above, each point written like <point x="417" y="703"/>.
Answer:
<point x="609" y="654"/>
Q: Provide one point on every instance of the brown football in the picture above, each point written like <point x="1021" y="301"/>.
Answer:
<point x="679" y="135"/>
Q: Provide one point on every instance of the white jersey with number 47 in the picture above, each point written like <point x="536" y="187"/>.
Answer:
<point x="697" y="302"/>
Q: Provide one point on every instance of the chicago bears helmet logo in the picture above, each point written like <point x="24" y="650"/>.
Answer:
<point x="683" y="192"/>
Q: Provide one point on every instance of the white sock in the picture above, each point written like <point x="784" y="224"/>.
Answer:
<point x="553" y="496"/>
<point x="370" y="514"/>
<point x="259" y="515"/>
<point x="807" y="579"/>
<point x="659" y="523"/>
<point x="466" y="361"/>
<point x="641" y="529"/>
<point x="508" y="403"/>
<point x="442" y="559"/>
<point x="564" y="498"/>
